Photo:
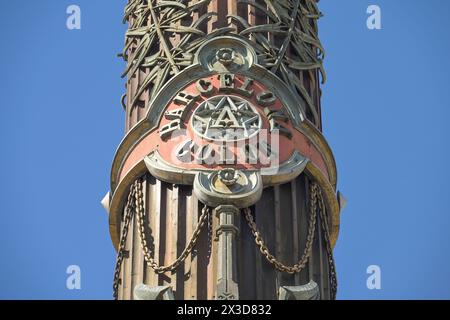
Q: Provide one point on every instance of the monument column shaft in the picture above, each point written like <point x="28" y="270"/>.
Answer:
<point x="162" y="45"/>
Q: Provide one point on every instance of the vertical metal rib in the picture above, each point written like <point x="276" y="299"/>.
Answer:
<point x="277" y="231"/>
<point x="128" y="263"/>
<point x="295" y="231"/>
<point x="181" y="239"/>
<point x="320" y="240"/>
<point x="120" y="293"/>
<point x="190" y="267"/>
<point x="306" y="218"/>
<point x="212" y="258"/>
<point x="150" y="278"/>
<point x="265" y="221"/>
<point x="247" y="263"/>
<point x="202" y="262"/>
<point x="194" y="265"/>
<point x="171" y="227"/>
<point x="156" y="195"/>
<point x="137" y="267"/>
<point x="303" y="223"/>
<point x="164" y="254"/>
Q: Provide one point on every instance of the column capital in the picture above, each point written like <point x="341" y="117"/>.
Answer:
<point x="227" y="209"/>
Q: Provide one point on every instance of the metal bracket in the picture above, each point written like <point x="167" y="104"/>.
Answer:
<point x="308" y="291"/>
<point x="228" y="187"/>
<point x="144" y="292"/>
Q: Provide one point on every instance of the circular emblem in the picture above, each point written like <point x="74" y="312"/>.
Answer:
<point x="226" y="118"/>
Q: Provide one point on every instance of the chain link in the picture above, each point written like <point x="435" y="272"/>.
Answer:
<point x="136" y="204"/>
<point x="123" y="240"/>
<point x="148" y="254"/>
<point x="316" y="205"/>
<point x="300" y="265"/>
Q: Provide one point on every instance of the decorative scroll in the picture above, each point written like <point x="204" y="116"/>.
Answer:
<point x="164" y="36"/>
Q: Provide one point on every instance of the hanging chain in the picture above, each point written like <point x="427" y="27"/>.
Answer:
<point x="300" y="265"/>
<point x="326" y="231"/>
<point x="123" y="240"/>
<point x="148" y="255"/>
<point x="136" y="204"/>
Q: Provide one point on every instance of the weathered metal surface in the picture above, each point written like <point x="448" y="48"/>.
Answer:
<point x="308" y="291"/>
<point x="227" y="236"/>
<point x="163" y="38"/>
<point x="144" y="292"/>
<point x="202" y="74"/>
<point x="197" y="277"/>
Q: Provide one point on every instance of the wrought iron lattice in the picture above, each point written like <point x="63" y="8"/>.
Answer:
<point x="163" y="37"/>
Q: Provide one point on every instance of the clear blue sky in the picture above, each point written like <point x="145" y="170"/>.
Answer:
<point x="386" y="108"/>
